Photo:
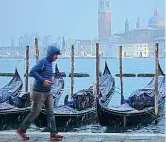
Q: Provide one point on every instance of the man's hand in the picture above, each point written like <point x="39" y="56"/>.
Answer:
<point x="47" y="83"/>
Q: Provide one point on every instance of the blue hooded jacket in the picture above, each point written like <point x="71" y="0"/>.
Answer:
<point x="43" y="70"/>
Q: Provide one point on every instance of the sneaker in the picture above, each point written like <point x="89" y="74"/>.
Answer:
<point x="55" y="137"/>
<point x="22" y="134"/>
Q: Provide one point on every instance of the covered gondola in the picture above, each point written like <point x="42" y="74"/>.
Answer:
<point x="11" y="101"/>
<point x="13" y="111"/>
<point x="81" y="110"/>
<point x="139" y="108"/>
<point x="57" y="86"/>
<point x="11" y="89"/>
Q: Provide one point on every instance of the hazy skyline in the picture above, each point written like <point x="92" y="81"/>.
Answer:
<point x="69" y="18"/>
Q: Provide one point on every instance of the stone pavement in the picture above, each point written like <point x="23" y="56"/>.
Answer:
<point x="85" y="137"/>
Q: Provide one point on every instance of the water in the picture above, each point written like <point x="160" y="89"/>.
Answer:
<point x="136" y="66"/>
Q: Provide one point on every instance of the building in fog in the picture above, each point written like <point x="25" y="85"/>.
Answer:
<point x="104" y="23"/>
<point x="140" y="41"/>
<point x="104" y="20"/>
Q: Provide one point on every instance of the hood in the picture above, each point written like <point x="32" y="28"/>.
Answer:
<point x="52" y="50"/>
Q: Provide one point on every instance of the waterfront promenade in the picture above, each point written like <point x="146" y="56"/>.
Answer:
<point x="85" y="137"/>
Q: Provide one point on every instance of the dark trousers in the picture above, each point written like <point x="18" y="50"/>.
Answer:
<point x="40" y="98"/>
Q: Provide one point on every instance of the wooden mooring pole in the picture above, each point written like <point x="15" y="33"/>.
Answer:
<point x="121" y="81"/>
<point x="37" y="50"/>
<point x="97" y="69"/>
<point x="97" y="90"/>
<point x="120" y="68"/>
<point x="27" y="68"/>
<point x="156" y="82"/>
<point x="72" y="70"/>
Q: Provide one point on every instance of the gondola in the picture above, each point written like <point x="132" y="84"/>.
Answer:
<point x="137" y="110"/>
<point x="82" y="109"/>
<point x="13" y="112"/>
<point x="8" y="96"/>
<point x="57" y="86"/>
<point x="12" y="88"/>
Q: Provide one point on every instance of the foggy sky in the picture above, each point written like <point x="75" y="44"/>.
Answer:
<point x="69" y="18"/>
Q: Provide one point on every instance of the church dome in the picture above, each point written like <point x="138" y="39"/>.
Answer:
<point x="156" y="21"/>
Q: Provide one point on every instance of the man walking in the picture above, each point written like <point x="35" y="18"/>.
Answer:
<point x="42" y="72"/>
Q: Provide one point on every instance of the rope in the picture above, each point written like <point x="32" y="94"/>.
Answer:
<point x="117" y="88"/>
<point x="148" y="112"/>
<point x="119" y="92"/>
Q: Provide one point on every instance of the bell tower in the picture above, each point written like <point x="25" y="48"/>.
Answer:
<point x="126" y="25"/>
<point x="138" y="24"/>
<point x="104" y="20"/>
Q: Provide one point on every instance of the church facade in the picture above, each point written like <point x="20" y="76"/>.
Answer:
<point x="140" y="41"/>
